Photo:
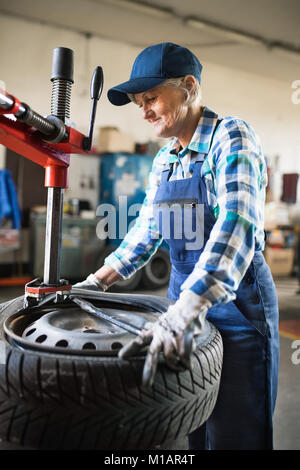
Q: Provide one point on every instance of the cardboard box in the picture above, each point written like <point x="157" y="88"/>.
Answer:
<point x="111" y="139"/>
<point x="280" y="261"/>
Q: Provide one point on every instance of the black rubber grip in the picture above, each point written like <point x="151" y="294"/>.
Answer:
<point x="62" y="64"/>
<point x="97" y="83"/>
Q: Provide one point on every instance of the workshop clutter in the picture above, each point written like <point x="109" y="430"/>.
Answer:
<point x="9" y="207"/>
<point x="112" y="139"/>
<point x="277" y="214"/>
<point x="280" y="261"/>
<point x="9" y="239"/>
<point x="80" y="246"/>
<point x="282" y="222"/>
<point x="10" y="220"/>
<point x="280" y="251"/>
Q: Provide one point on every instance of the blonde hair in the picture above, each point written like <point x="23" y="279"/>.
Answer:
<point x="191" y="97"/>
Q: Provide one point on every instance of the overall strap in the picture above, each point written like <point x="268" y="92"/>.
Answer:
<point x="168" y="167"/>
<point x="213" y="134"/>
<point x="167" y="171"/>
<point x="200" y="155"/>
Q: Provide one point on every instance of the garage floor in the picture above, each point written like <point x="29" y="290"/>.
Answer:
<point x="287" y="413"/>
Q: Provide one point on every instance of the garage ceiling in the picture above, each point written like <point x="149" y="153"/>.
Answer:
<point x="269" y="35"/>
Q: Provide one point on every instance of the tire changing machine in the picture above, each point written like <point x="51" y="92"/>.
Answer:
<point x="49" y="142"/>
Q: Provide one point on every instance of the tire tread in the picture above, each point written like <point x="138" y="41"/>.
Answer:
<point x="52" y="401"/>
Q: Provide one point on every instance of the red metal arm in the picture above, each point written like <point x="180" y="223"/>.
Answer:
<point x="34" y="137"/>
<point x="25" y="141"/>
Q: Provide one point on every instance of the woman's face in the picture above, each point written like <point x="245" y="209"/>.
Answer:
<point x="164" y="108"/>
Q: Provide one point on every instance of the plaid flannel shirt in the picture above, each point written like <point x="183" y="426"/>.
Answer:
<point x="234" y="172"/>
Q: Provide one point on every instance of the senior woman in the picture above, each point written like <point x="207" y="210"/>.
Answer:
<point x="215" y="170"/>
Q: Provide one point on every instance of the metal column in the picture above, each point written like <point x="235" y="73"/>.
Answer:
<point x="53" y="236"/>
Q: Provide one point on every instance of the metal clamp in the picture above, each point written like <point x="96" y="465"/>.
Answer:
<point x="36" y="290"/>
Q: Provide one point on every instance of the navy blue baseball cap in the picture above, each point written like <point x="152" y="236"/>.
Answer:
<point x="154" y="65"/>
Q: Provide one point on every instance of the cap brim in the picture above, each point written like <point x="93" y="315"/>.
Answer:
<point x="118" y="94"/>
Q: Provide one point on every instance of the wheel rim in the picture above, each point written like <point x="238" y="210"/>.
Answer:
<point x="68" y="329"/>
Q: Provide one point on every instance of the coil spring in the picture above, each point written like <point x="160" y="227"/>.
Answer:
<point x="35" y="120"/>
<point x="60" y="99"/>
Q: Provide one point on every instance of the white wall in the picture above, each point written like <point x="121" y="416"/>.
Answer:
<point x="26" y="56"/>
<point x="265" y="103"/>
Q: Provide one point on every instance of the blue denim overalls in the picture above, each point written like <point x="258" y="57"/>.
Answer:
<point x="242" y="417"/>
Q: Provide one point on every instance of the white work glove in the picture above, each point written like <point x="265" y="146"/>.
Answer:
<point x="91" y="283"/>
<point x="173" y="334"/>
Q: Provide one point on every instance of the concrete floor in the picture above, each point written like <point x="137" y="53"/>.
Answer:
<point x="287" y="413"/>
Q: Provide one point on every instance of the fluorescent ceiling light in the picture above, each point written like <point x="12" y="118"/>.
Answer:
<point x="195" y="23"/>
<point x="143" y="8"/>
<point x="220" y="30"/>
<point x="287" y="53"/>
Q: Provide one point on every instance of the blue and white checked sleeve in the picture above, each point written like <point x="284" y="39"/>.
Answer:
<point x="238" y="166"/>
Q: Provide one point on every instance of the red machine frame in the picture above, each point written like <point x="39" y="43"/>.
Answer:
<point x="54" y="157"/>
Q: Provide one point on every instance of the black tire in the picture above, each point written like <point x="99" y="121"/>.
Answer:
<point x="156" y="273"/>
<point x="67" y="401"/>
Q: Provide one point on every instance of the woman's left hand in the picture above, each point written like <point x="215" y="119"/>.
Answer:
<point x="173" y="334"/>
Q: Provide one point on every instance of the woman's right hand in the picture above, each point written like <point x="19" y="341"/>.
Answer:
<point x="91" y="283"/>
<point x="100" y="280"/>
